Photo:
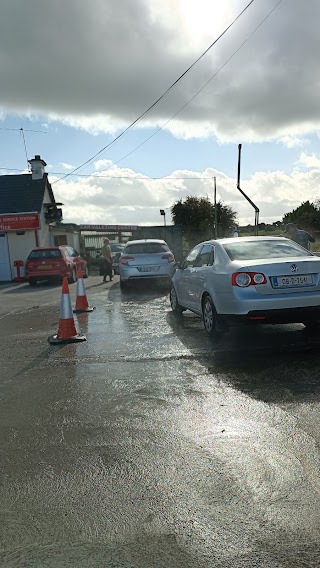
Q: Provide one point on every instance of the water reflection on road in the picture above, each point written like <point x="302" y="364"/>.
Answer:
<point x="149" y="446"/>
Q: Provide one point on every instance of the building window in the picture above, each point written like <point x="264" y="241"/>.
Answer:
<point x="60" y="240"/>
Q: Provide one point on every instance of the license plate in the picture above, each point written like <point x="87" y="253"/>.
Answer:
<point x="292" y="281"/>
<point x="149" y="269"/>
<point x="45" y="266"/>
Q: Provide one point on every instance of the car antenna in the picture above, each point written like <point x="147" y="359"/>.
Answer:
<point x="256" y="209"/>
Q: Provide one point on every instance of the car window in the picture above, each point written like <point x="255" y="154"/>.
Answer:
<point x="189" y="261"/>
<point x="116" y="247"/>
<point x="66" y="251"/>
<point x="45" y="253"/>
<point x="146" y="248"/>
<point x="251" y="250"/>
<point x="71" y="252"/>
<point x="205" y="257"/>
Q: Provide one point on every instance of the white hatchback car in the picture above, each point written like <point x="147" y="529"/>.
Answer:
<point x="146" y="259"/>
<point x="248" y="279"/>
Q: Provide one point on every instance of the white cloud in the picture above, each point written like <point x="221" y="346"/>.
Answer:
<point x="99" y="164"/>
<point x="107" y="199"/>
<point x="67" y="166"/>
<point x="94" y="123"/>
<point x="309" y="160"/>
<point x="292" y="141"/>
<point x="111" y="60"/>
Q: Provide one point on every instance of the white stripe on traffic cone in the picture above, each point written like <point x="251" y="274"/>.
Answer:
<point x="82" y="304"/>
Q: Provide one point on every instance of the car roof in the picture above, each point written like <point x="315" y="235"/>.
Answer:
<point x="48" y="248"/>
<point x="244" y="239"/>
<point x="141" y="241"/>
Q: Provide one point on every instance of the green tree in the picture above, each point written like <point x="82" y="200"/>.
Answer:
<point x="196" y="217"/>
<point x="306" y="216"/>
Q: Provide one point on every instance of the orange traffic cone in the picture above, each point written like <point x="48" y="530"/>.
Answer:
<point x="67" y="332"/>
<point x="81" y="302"/>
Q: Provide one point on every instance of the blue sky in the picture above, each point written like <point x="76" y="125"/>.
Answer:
<point x="110" y="61"/>
<point x="159" y="157"/>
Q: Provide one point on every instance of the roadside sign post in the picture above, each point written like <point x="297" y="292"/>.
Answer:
<point x="163" y="213"/>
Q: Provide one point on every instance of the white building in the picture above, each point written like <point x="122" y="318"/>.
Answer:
<point x="29" y="218"/>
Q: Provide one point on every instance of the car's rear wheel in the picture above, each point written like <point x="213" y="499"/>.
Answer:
<point x="123" y="284"/>
<point x="176" y="308"/>
<point x="210" y="318"/>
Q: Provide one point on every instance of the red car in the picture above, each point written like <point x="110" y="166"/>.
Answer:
<point x="51" y="263"/>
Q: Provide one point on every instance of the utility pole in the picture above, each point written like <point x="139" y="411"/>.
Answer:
<point x="215" y="209"/>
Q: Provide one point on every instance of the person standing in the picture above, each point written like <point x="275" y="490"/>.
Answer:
<point x="299" y="236"/>
<point x="106" y="267"/>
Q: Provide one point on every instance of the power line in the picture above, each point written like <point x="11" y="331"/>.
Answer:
<point x="25" y="145"/>
<point x="199" y="91"/>
<point x="161" y="96"/>
<point x="145" y="178"/>
<point x="160" y="128"/>
<point x="22" y="131"/>
<point x="192" y="98"/>
<point x="25" y="130"/>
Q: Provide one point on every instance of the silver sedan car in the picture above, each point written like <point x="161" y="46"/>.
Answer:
<point x="146" y="259"/>
<point x="248" y="279"/>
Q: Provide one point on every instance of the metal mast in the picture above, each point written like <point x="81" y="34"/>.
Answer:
<point x="256" y="209"/>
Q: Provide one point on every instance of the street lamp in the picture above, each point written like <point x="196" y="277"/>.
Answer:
<point x="163" y="213"/>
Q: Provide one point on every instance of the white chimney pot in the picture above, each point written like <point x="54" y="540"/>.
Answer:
<point x="37" y="167"/>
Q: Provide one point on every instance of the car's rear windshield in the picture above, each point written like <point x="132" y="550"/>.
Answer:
<point x="146" y="248"/>
<point x="45" y="253"/>
<point x="263" y="249"/>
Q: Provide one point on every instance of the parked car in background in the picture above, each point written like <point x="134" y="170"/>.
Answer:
<point x="52" y="263"/>
<point x="146" y="259"/>
<point x="116" y="250"/>
<point x="248" y="279"/>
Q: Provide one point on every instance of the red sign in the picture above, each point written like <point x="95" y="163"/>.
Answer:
<point x="19" y="222"/>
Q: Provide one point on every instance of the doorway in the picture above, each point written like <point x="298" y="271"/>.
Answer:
<point x="5" y="269"/>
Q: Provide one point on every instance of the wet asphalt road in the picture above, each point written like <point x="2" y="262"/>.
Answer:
<point x="147" y="446"/>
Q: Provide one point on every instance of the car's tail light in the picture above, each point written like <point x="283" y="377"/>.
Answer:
<point x="30" y="266"/>
<point x="168" y="256"/>
<point x="124" y="260"/>
<point x="245" y="279"/>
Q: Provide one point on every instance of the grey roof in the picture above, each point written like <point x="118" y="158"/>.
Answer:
<point x="21" y="194"/>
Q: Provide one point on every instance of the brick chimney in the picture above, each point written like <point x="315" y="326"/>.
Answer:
<point x="37" y="167"/>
